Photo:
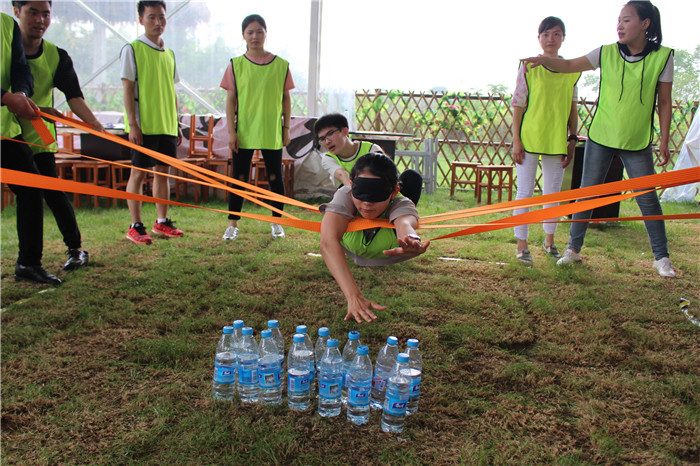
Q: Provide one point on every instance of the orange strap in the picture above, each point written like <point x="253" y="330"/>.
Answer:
<point x="41" y="129"/>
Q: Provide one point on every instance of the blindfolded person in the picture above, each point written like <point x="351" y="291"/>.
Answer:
<point x="373" y="194"/>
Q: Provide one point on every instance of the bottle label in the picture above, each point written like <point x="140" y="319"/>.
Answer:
<point x="248" y="376"/>
<point x="358" y="395"/>
<point x="394" y="406"/>
<point x="329" y="390"/>
<point x="298" y="383"/>
<point x="414" y="392"/>
<point x="269" y="376"/>
<point x="379" y="383"/>
<point x="224" y="373"/>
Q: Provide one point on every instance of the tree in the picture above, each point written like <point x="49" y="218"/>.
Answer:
<point x="686" y="80"/>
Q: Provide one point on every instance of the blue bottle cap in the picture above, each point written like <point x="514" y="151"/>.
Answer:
<point x="247" y="331"/>
<point x="228" y="329"/>
<point x="238" y="323"/>
<point x="267" y="333"/>
<point x="412" y="343"/>
<point x="354" y="335"/>
<point x="332" y="343"/>
<point x="301" y="329"/>
<point x="402" y="357"/>
<point x="362" y="350"/>
<point x="392" y="340"/>
<point x="298" y="338"/>
<point x="323" y="332"/>
<point x="273" y="323"/>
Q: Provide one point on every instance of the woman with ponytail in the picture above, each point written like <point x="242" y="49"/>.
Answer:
<point x="636" y="78"/>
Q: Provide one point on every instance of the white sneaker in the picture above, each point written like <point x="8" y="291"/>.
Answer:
<point x="663" y="265"/>
<point x="230" y="234"/>
<point x="569" y="257"/>
<point x="277" y="231"/>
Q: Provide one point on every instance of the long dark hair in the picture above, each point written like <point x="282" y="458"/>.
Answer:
<point x="647" y="10"/>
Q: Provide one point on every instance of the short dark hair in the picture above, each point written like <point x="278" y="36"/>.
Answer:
<point x="332" y="120"/>
<point x="379" y="165"/>
<point x="252" y="19"/>
<point x="647" y="10"/>
<point x="551" y="22"/>
<point x="19" y="5"/>
<point x="142" y="5"/>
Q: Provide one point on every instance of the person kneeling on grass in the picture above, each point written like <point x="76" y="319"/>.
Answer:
<point x="372" y="194"/>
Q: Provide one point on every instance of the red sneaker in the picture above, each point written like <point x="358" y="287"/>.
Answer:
<point x="167" y="228"/>
<point x="138" y="234"/>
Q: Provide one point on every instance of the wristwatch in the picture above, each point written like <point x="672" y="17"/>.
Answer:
<point x="572" y="137"/>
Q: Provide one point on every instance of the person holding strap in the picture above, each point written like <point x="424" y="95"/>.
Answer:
<point x="258" y="113"/>
<point x="372" y="193"/>
<point x="17" y="86"/>
<point x="52" y="67"/>
<point x="149" y="74"/>
<point x="545" y="119"/>
<point x="635" y="72"/>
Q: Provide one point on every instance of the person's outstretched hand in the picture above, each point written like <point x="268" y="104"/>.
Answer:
<point x="408" y="247"/>
<point x="361" y="308"/>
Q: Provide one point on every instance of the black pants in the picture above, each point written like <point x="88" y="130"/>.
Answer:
<point x="241" y="171"/>
<point x="30" y="203"/>
<point x="411" y="185"/>
<point x="58" y="202"/>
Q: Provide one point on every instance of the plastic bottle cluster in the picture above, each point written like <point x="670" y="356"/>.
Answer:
<point x="256" y="372"/>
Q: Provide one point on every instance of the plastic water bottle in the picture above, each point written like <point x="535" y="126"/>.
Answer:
<point x="349" y="353"/>
<point x="396" y="399"/>
<point x="269" y="370"/>
<point x="236" y="342"/>
<point x="415" y="363"/>
<point x="248" y="358"/>
<point x="302" y="329"/>
<point x="386" y="360"/>
<point x="359" y="385"/>
<point x="274" y="326"/>
<point x="320" y="347"/>
<point x="330" y="379"/>
<point x="224" y="385"/>
<point x="299" y="374"/>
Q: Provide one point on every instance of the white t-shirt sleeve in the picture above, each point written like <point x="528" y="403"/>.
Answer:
<point x="128" y="63"/>
<point x="666" y="75"/>
<point x="521" y="92"/>
<point x="329" y="164"/>
<point x="594" y="57"/>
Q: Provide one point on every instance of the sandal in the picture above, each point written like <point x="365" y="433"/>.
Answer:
<point x="524" y="256"/>
<point x="551" y="250"/>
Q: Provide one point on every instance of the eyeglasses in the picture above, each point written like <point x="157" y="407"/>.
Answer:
<point x="330" y="133"/>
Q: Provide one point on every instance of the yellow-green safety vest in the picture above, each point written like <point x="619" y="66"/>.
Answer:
<point x="157" y="103"/>
<point x="44" y="70"/>
<point x="260" y="89"/>
<point x="624" y="118"/>
<point x="365" y="148"/>
<point x="544" y="127"/>
<point x="10" y="126"/>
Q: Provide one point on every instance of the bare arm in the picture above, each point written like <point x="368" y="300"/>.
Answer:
<point x="286" y="116"/>
<point x="343" y="176"/>
<point x="574" y="65"/>
<point x="333" y="227"/>
<point x="231" y="103"/>
<point x="135" y="135"/>
<point x="518" y="149"/>
<point x="82" y="111"/>
<point x="664" y="107"/>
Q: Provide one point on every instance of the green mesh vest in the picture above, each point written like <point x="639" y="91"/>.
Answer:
<point x="624" y="117"/>
<point x="365" y="148"/>
<point x="44" y="70"/>
<point x="357" y="243"/>
<point x="544" y="126"/>
<point x="260" y="89"/>
<point x="10" y="126"/>
<point x="157" y="104"/>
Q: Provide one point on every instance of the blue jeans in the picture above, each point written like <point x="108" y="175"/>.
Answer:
<point x="596" y="163"/>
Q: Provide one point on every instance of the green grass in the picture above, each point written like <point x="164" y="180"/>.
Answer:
<point x="542" y="364"/>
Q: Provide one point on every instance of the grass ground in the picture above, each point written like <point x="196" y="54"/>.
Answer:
<point x="543" y="364"/>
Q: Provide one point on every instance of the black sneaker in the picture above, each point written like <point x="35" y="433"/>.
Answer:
<point x="36" y="274"/>
<point x="76" y="258"/>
